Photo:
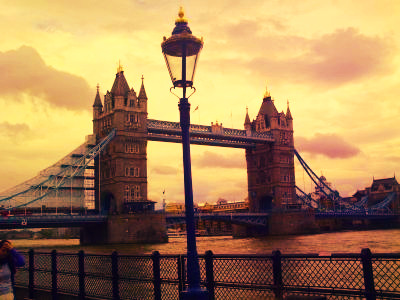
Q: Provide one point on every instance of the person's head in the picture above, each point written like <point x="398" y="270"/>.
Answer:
<point x="5" y="247"/>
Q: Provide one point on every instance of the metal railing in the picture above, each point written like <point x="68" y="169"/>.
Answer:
<point x="276" y="276"/>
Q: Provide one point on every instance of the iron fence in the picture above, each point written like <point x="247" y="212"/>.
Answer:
<point x="275" y="276"/>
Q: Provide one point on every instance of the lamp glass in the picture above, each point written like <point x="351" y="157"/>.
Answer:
<point x="174" y="64"/>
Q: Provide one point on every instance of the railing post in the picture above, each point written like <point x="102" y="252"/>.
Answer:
<point x="31" y="284"/>
<point x="181" y="273"/>
<point x="81" y="270"/>
<point x="156" y="275"/>
<point x="366" y="258"/>
<point x="115" y="276"/>
<point x="277" y="270"/>
<point x="54" y="293"/>
<point x="210" y="284"/>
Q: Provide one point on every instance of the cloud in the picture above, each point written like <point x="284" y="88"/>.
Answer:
<point x="212" y="160"/>
<point x="330" y="145"/>
<point x="336" y="58"/>
<point x="346" y="54"/>
<point x="165" y="170"/>
<point x="14" y="130"/>
<point x="24" y="71"/>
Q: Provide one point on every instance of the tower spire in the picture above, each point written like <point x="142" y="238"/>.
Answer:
<point x="97" y="100"/>
<point x="288" y="114"/>
<point x="247" y="118"/>
<point x="119" y="69"/>
<point x="267" y="93"/>
<point x="142" y="92"/>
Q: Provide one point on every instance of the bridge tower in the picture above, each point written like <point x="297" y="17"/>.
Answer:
<point x="270" y="167"/>
<point x="121" y="170"/>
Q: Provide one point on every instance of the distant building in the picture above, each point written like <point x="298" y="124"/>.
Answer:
<point x="225" y="206"/>
<point x="379" y="190"/>
<point x="174" y="208"/>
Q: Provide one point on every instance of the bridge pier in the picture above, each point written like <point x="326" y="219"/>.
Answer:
<point x="126" y="228"/>
<point x="296" y="222"/>
<point x="279" y="223"/>
<point x="242" y="231"/>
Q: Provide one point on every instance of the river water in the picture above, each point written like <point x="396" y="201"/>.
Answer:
<point x="379" y="241"/>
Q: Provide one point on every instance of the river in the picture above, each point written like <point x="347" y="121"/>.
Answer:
<point x="379" y="241"/>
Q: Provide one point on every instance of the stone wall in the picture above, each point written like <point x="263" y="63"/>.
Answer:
<point x="127" y="228"/>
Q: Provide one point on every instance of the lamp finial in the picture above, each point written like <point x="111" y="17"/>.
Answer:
<point x="181" y="15"/>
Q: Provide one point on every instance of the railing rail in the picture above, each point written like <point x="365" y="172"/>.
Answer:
<point x="156" y="276"/>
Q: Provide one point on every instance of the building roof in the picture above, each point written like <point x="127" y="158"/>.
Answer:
<point x="387" y="183"/>
<point x="391" y="180"/>
<point x="360" y="193"/>
<point x="120" y="86"/>
<point x="268" y="107"/>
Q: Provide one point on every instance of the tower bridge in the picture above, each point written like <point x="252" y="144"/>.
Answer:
<point x="107" y="174"/>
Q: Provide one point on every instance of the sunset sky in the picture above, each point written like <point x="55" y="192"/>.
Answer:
<point x="335" y="61"/>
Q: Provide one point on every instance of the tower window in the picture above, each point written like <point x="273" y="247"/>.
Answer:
<point x="135" y="192"/>
<point x="126" y="193"/>
<point x="132" y="171"/>
<point x="131" y="118"/>
<point x="131" y="148"/>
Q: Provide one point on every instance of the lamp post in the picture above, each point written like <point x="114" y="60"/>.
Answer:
<point x="181" y="52"/>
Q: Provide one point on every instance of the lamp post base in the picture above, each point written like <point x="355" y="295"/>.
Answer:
<point x="194" y="294"/>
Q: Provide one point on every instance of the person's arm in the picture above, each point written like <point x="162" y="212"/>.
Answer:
<point x="19" y="260"/>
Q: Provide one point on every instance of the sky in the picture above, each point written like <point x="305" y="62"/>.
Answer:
<point x="336" y="62"/>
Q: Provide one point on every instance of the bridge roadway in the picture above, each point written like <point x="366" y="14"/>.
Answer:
<point x="49" y="221"/>
<point x="356" y="215"/>
<point x="254" y="219"/>
<point x="65" y="220"/>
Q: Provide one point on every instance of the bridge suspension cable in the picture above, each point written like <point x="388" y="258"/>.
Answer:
<point x="55" y="181"/>
<point x="306" y="199"/>
<point x="333" y="195"/>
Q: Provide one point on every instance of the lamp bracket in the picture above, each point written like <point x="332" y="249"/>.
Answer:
<point x="192" y="88"/>
<point x="170" y="90"/>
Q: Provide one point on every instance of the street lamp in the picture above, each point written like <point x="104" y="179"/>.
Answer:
<point x="181" y="52"/>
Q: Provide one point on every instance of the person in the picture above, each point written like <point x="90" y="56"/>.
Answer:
<point x="10" y="259"/>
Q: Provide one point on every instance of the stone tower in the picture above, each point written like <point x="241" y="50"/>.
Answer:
<point x="270" y="167"/>
<point x="121" y="181"/>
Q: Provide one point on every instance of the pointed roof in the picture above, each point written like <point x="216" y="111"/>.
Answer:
<point x="247" y="118"/>
<point x="288" y="114"/>
<point x="120" y="86"/>
<point x="268" y="107"/>
<point x="97" y="100"/>
<point x="142" y="92"/>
